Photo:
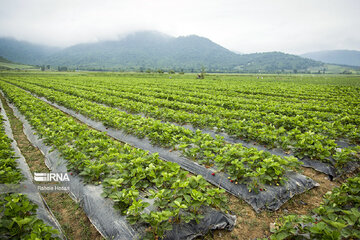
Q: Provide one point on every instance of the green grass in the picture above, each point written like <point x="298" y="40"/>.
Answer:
<point x="335" y="69"/>
<point x="12" y="66"/>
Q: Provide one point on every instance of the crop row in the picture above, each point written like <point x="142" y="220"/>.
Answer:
<point x="237" y="100"/>
<point x="238" y="86"/>
<point x="307" y="143"/>
<point x="242" y="164"/>
<point x="204" y="114"/>
<point x="325" y="110"/>
<point x="338" y="217"/>
<point x="334" y="126"/>
<point x="127" y="174"/>
<point x="18" y="219"/>
<point x="9" y="173"/>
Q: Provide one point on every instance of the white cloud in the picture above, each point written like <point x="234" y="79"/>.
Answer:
<point x="295" y="26"/>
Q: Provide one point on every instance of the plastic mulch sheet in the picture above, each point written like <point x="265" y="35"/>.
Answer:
<point x="271" y="199"/>
<point x="100" y="211"/>
<point x="319" y="166"/>
<point x="26" y="186"/>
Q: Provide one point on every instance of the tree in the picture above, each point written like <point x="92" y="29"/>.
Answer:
<point x="346" y="72"/>
<point x="202" y="74"/>
<point x="62" y="69"/>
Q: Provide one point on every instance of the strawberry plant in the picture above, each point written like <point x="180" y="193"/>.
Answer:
<point x="122" y="170"/>
<point x="305" y="121"/>
<point x="160" y="222"/>
<point x="9" y="173"/>
<point x="93" y="171"/>
<point x="18" y="219"/>
<point x="134" y="211"/>
<point x="338" y="217"/>
<point x="346" y="155"/>
<point x="124" y="199"/>
<point x="178" y="206"/>
<point x="196" y="145"/>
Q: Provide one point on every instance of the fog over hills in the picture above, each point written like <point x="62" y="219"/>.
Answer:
<point x="343" y="57"/>
<point x="152" y="50"/>
<point x="24" y="52"/>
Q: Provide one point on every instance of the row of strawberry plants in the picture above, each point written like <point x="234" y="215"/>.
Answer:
<point x="204" y="116"/>
<point x="124" y="171"/>
<point x="307" y="144"/>
<point x="250" y="89"/>
<point x="338" y="217"/>
<point x="244" y="165"/>
<point x="9" y="173"/>
<point x="339" y="89"/>
<point x="283" y="106"/>
<point x="18" y="219"/>
<point x="277" y="106"/>
<point x="301" y="119"/>
<point x="229" y="87"/>
<point x="238" y="101"/>
<point x="316" y="146"/>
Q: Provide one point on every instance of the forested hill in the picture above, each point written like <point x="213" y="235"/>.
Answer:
<point x="25" y="52"/>
<point x="343" y="57"/>
<point x="153" y="50"/>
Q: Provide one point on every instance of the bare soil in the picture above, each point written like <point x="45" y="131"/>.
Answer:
<point x="252" y="225"/>
<point x="70" y="215"/>
<point x="249" y="224"/>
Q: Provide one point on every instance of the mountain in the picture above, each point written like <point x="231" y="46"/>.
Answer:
<point x="4" y="60"/>
<point x="341" y="57"/>
<point x="147" y="50"/>
<point x="271" y="62"/>
<point x="6" y="64"/>
<point x="24" y="52"/>
<point x="154" y="50"/>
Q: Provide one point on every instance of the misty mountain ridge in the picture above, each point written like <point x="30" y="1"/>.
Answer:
<point x="342" y="57"/>
<point x="24" y="52"/>
<point x="153" y="50"/>
<point x="4" y="60"/>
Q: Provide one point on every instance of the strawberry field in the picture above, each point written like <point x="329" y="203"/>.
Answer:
<point x="166" y="148"/>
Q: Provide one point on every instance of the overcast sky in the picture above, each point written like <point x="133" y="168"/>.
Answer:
<point x="292" y="26"/>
